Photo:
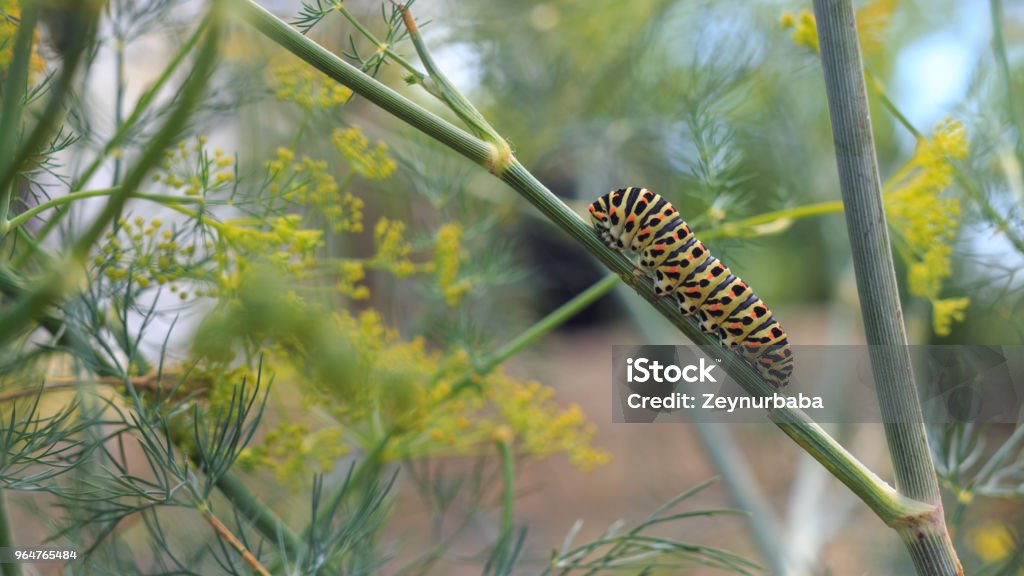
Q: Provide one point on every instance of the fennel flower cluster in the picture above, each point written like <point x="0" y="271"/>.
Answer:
<point x="873" y="20"/>
<point x="372" y="162"/>
<point x="925" y="219"/>
<point x="309" y="88"/>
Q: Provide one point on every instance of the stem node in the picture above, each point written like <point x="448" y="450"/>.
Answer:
<point x="499" y="159"/>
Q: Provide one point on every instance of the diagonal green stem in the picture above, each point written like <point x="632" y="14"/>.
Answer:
<point x="145" y="101"/>
<point x="741" y="228"/>
<point x="545" y="325"/>
<point x="262" y="517"/>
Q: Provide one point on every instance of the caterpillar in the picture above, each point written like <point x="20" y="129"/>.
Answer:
<point x="638" y="221"/>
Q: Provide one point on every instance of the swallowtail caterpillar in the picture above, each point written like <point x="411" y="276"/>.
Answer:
<point x="638" y="221"/>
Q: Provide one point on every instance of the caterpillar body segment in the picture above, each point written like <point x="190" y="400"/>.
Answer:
<point x="638" y="221"/>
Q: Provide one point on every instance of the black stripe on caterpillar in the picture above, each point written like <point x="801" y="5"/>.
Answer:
<point x="638" y="221"/>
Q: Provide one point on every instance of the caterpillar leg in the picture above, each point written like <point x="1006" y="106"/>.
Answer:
<point x="776" y="364"/>
<point x="767" y="349"/>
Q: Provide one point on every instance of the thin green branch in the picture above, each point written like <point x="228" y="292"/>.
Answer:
<point x="882" y="498"/>
<point x="458" y="103"/>
<point x="925" y="535"/>
<point x="385" y="49"/>
<point x="772" y="220"/>
<point x="262" y="517"/>
<point x="145" y="101"/>
<point x="1010" y="99"/>
<point x="1006" y="449"/>
<point x="508" y="492"/>
<point x="545" y="325"/>
<point x="6" y="541"/>
<point x="80" y="29"/>
<point x="63" y="201"/>
<point x="891" y="106"/>
<point x="15" y="85"/>
<point x="119" y="93"/>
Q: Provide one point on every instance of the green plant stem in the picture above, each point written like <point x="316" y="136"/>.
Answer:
<point x="925" y="535"/>
<point x="546" y="324"/>
<point x="891" y="106"/>
<point x="262" y="517"/>
<point x="118" y="96"/>
<point x="883" y="499"/>
<point x="508" y="493"/>
<point x="15" y="85"/>
<point x="63" y="201"/>
<point x="6" y="541"/>
<point x="738" y="228"/>
<point x="458" y="103"/>
<point x="999" y="458"/>
<point x="793" y="213"/>
<point x="999" y="48"/>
